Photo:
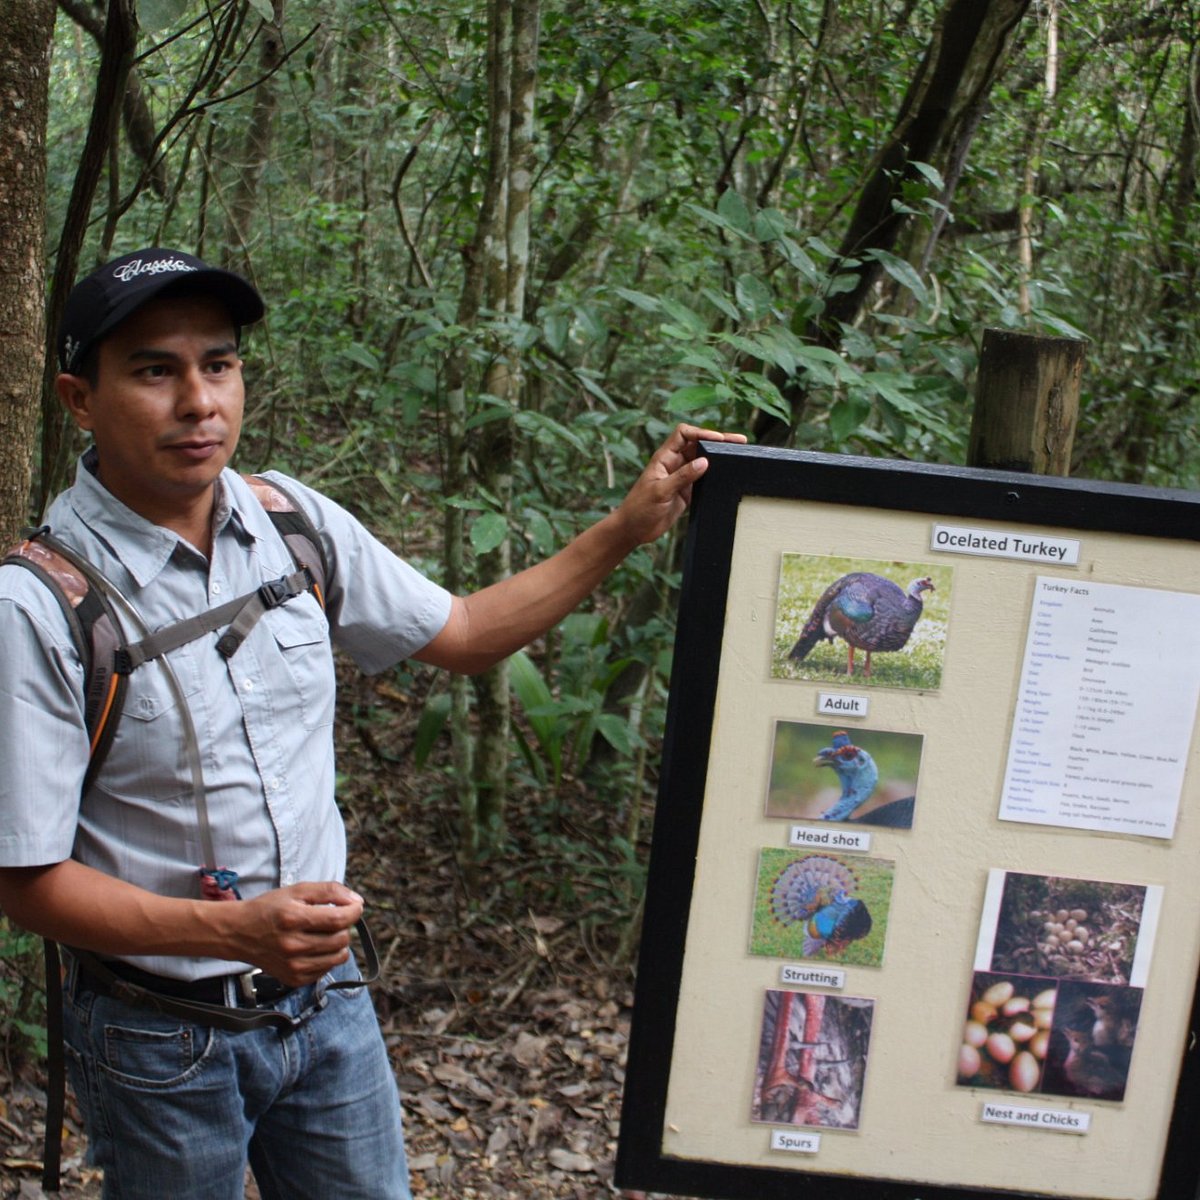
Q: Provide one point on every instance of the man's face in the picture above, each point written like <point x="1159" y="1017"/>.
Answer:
<point x="166" y="409"/>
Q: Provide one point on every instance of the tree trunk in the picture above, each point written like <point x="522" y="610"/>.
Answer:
<point x="482" y="799"/>
<point x="507" y="276"/>
<point x="25" y="31"/>
<point x="497" y="265"/>
<point x="257" y="149"/>
<point x="1146" y="412"/>
<point x="116" y="57"/>
<point x="140" y="129"/>
<point x="1032" y="175"/>
<point x="458" y="482"/>
<point x="937" y="117"/>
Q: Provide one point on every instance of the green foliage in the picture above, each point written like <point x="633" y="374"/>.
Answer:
<point x="22" y="993"/>
<point x="696" y="165"/>
<point x="565" y="727"/>
<point x="599" y="882"/>
<point x="640" y="109"/>
<point x="434" y="715"/>
<point x="892" y="385"/>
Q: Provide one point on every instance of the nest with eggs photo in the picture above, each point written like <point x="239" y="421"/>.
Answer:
<point x="1068" y="928"/>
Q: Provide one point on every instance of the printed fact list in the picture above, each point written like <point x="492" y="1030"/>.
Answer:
<point x="1105" y="710"/>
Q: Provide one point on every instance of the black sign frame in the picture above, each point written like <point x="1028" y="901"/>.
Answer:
<point x="734" y="474"/>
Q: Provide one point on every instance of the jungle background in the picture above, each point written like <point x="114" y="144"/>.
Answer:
<point x="506" y="244"/>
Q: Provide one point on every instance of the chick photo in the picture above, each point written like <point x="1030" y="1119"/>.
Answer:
<point x="867" y="622"/>
<point x="864" y="776"/>
<point x="1091" y="1043"/>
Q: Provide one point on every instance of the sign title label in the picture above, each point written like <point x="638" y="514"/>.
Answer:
<point x="991" y="543"/>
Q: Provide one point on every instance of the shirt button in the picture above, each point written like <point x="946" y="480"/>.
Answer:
<point x="289" y="879"/>
<point x="247" y="685"/>
<point x="216" y="589"/>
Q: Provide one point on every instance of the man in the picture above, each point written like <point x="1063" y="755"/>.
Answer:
<point x="151" y="369"/>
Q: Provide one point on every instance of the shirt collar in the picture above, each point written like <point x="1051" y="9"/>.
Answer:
<point x="239" y="510"/>
<point x="143" y="547"/>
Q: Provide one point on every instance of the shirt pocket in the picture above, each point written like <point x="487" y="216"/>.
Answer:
<point x="149" y="758"/>
<point x="301" y="637"/>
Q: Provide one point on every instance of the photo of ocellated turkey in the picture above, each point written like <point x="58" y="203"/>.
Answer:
<point x="816" y="893"/>
<point x="858" y="775"/>
<point x="868" y="612"/>
<point x="821" y="904"/>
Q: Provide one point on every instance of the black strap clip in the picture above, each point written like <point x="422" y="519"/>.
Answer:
<point x="267" y="596"/>
<point x="228" y="644"/>
<point x="275" y="592"/>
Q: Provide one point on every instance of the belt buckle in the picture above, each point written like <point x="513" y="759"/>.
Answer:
<point x="247" y="986"/>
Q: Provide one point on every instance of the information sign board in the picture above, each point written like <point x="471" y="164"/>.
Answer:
<point x="922" y="891"/>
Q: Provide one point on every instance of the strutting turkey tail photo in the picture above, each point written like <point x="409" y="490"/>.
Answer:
<point x="825" y="907"/>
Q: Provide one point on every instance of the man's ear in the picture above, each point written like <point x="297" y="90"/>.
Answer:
<point x="76" y="395"/>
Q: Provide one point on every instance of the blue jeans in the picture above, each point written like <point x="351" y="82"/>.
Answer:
<point x="178" y="1110"/>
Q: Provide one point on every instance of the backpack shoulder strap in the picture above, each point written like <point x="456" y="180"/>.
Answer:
<point x="95" y="630"/>
<point x="97" y="635"/>
<point x="292" y="523"/>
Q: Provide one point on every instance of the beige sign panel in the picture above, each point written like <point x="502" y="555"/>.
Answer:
<point x="981" y="879"/>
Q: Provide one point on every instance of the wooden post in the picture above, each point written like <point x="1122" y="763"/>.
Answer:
<point x="1026" y="402"/>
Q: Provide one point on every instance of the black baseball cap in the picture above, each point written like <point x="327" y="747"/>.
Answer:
<point x="101" y="301"/>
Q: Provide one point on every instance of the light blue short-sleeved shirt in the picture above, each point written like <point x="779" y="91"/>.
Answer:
<point x="263" y="718"/>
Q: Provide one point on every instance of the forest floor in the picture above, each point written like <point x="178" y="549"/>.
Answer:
<point x="505" y="1005"/>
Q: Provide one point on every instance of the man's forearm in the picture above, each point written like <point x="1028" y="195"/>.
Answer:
<point x="491" y="624"/>
<point x="295" y="933"/>
<point x="80" y="906"/>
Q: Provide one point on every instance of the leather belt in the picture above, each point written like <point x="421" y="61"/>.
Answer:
<point x="252" y="989"/>
<point x="203" y="1001"/>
